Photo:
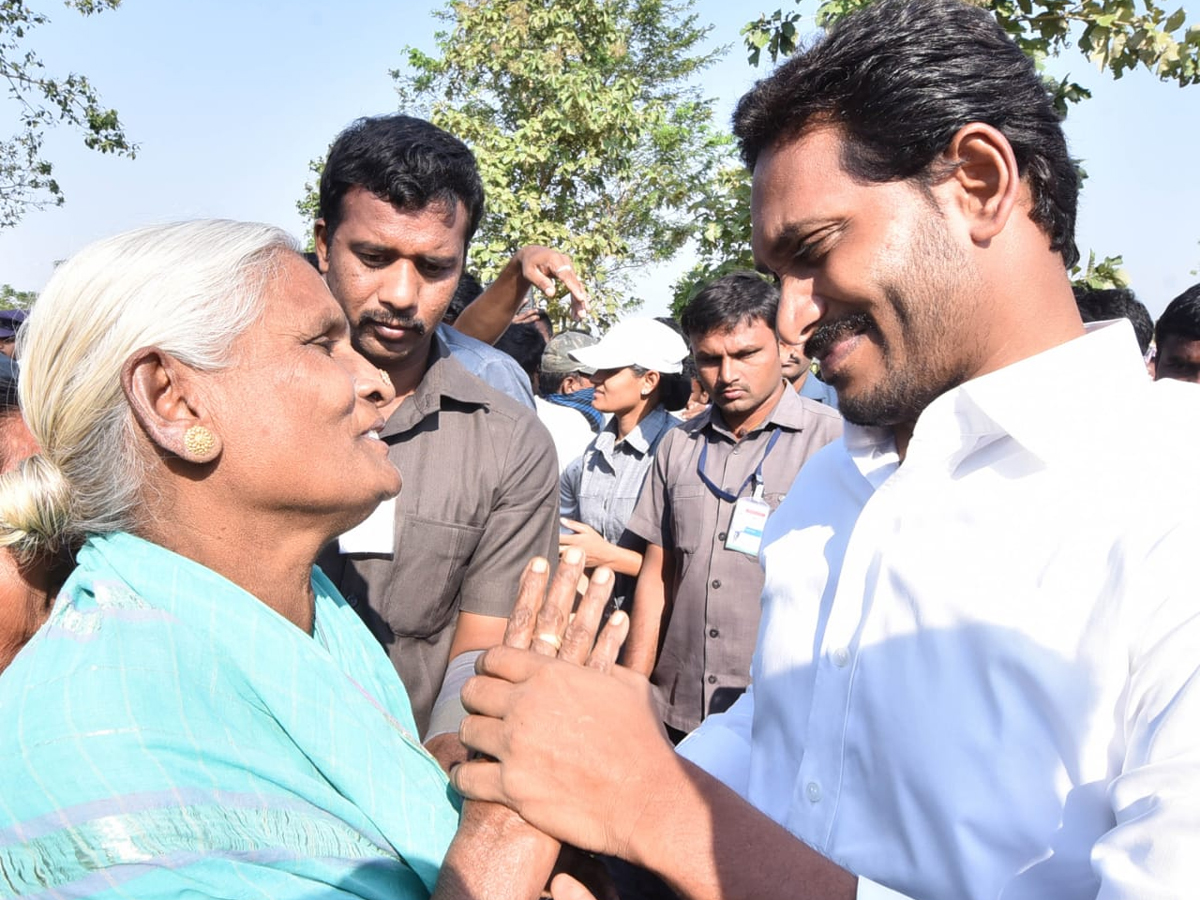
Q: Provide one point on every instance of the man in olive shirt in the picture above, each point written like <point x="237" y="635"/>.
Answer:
<point x="434" y="576"/>
<point x="715" y="479"/>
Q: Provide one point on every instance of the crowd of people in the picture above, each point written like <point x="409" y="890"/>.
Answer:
<point x="341" y="574"/>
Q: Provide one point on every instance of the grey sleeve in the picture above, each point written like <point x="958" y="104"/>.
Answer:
<point x="568" y="489"/>
<point x="523" y="522"/>
<point x="506" y="376"/>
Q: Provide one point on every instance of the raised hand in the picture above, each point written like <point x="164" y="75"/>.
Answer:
<point x="543" y="267"/>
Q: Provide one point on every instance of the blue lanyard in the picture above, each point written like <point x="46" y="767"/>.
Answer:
<point x="756" y="475"/>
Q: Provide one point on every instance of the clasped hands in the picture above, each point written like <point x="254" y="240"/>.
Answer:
<point x="570" y="740"/>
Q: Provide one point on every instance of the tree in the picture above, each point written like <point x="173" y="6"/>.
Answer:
<point x="11" y="298"/>
<point x="1111" y="33"/>
<point x="43" y="101"/>
<point x="589" y="133"/>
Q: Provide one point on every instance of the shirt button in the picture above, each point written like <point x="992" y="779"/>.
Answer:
<point x="716" y="583"/>
<point x="352" y="600"/>
<point x="712" y="679"/>
<point x="737" y="450"/>
<point x="712" y="632"/>
<point x="721" y="536"/>
<point x="813" y="792"/>
<point x="841" y="656"/>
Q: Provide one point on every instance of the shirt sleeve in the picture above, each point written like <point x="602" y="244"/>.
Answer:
<point x="523" y="522"/>
<point x="1151" y="851"/>
<point x="649" y="520"/>
<point x="568" y="489"/>
<point x="506" y="376"/>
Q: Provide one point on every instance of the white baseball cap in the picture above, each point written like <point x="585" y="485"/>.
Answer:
<point x="636" y="342"/>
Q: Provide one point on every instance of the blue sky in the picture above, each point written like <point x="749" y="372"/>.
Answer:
<point x="230" y="99"/>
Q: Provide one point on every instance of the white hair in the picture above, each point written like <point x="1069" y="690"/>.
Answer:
<point x="189" y="289"/>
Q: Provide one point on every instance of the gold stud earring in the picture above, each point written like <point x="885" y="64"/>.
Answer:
<point x="200" y="443"/>
<point x="385" y="377"/>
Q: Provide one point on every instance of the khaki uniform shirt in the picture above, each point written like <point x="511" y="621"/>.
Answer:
<point x="707" y="641"/>
<point x="480" y="498"/>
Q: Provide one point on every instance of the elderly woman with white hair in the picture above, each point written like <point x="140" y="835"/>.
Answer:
<point x="202" y="714"/>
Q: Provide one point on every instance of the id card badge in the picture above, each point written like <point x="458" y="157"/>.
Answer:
<point x="376" y="535"/>
<point x="746" y="526"/>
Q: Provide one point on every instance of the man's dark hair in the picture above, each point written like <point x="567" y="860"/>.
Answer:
<point x="728" y="302"/>
<point x="1181" y="318"/>
<point x="525" y="344"/>
<point x="407" y="161"/>
<point x="465" y="292"/>
<point x="899" y="79"/>
<point x="1102" y="304"/>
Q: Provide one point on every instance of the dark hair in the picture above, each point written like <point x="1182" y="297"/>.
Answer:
<point x="899" y="78"/>
<point x="550" y="382"/>
<point x="407" y="161"/>
<point x="1181" y="318"/>
<point x="465" y="292"/>
<point x="728" y="302"/>
<point x="543" y="323"/>
<point x="674" y="389"/>
<point x="525" y="344"/>
<point x="1102" y="304"/>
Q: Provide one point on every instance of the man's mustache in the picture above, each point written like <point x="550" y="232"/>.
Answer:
<point x="829" y="333"/>
<point x="407" y="323"/>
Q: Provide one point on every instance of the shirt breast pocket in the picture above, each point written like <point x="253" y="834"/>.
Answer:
<point x="431" y="560"/>
<point x="688" y="524"/>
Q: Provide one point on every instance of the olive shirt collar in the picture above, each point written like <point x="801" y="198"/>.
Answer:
<point x="789" y="413"/>
<point x="445" y="378"/>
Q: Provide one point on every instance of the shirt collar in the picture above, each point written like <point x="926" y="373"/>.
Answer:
<point x="638" y="440"/>
<point x="1043" y="403"/>
<point x="788" y="413"/>
<point x="444" y="377"/>
<point x="1046" y="401"/>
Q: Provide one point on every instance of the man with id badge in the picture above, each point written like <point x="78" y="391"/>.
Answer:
<point x="716" y="478"/>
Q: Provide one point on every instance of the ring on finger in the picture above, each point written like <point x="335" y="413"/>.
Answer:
<point x="565" y="267"/>
<point x="550" y="638"/>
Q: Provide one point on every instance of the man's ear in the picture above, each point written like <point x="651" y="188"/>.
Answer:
<point x="321" y="245"/>
<point x="161" y="392"/>
<point x="986" y="174"/>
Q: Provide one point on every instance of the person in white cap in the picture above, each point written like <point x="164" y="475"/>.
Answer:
<point x="636" y="377"/>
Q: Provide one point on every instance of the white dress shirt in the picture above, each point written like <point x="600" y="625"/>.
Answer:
<point x="978" y="672"/>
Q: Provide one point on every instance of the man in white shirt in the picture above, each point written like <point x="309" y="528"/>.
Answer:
<point x="978" y="667"/>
